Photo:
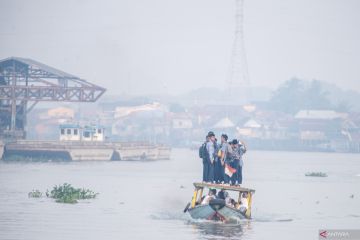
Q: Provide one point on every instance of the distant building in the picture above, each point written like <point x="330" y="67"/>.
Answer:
<point x="181" y="121"/>
<point x="319" y="114"/>
<point x="325" y="129"/>
<point x="224" y="123"/>
<point x="252" y="128"/>
<point x="125" y="111"/>
<point x="61" y="113"/>
<point x="73" y="132"/>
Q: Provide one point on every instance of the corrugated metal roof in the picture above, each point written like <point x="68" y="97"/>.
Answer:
<point x="69" y="125"/>
<point x="319" y="114"/>
<point x="41" y="66"/>
<point x="224" y="123"/>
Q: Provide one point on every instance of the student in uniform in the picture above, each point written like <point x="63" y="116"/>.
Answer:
<point x="210" y="146"/>
<point x="219" y="168"/>
<point x="239" y="149"/>
<point x="236" y="162"/>
<point x="210" y="196"/>
<point x="224" y="152"/>
<point x="228" y="161"/>
<point x="203" y="154"/>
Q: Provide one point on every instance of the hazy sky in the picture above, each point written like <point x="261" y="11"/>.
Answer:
<point x="152" y="46"/>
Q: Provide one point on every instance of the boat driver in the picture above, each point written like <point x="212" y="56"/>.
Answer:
<point x="210" y="196"/>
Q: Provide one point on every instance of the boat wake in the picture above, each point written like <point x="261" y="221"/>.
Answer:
<point x="270" y="217"/>
<point x="187" y="219"/>
<point x="272" y="220"/>
<point x="168" y="215"/>
<point x="208" y="229"/>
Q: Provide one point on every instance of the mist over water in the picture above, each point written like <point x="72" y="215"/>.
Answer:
<point x="145" y="200"/>
<point x="168" y="70"/>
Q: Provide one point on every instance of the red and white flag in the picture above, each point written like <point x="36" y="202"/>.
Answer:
<point x="229" y="170"/>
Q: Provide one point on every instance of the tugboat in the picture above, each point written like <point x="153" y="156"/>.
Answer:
<point x="217" y="209"/>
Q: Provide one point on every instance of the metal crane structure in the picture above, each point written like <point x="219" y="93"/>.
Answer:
<point x="238" y="75"/>
<point x="24" y="81"/>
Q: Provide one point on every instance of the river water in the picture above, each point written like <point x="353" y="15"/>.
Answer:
<point x="145" y="200"/>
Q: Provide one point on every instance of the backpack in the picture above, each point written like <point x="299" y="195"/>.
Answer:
<point x="203" y="151"/>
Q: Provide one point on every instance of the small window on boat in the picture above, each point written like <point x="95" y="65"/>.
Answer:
<point x="68" y="131"/>
<point x="62" y="132"/>
<point x="87" y="134"/>
<point x="75" y="132"/>
<point x="99" y="131"/>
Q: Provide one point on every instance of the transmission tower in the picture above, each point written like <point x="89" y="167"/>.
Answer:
<point x="239" y="75"/>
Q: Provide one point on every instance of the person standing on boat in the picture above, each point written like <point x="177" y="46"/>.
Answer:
<point x="218" y="168"/>
<point x="223" y="149"/>
<point x="233" y="161"/>
<point x="203" y="154"/>
<point x="240" y="150"/>
<point x="210" y="146"/>
<point x="226" y="157"/>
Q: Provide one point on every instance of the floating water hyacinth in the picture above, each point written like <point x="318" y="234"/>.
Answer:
<point x="68" y="194"/>
<point x="35" y="194"/>
<point x="316" y="174"/>
<point x="65" y="193"/>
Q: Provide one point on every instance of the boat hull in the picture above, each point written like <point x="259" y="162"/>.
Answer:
<point x="85" y="151"/>
<point x="207" y="212"/>
<point x="91" y="154"/>
<point x="142" y="151"/>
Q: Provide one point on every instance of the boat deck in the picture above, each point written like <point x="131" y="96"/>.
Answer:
<point x="223" y="186"/>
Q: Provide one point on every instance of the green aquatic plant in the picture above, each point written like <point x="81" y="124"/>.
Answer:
<point x="35" y="194"/>
<point x="316" y="174"/>
<point x="68" y="194"/>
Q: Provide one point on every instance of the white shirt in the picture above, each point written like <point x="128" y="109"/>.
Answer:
<point x="211" y="150"/>
<point x="228" y="201"/>
<point x="207" y="200"/>
<point x="244" y="203"/>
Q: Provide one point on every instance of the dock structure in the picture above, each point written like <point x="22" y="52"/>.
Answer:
<point x="84" y="151"/>
<point x="25" y="82"/>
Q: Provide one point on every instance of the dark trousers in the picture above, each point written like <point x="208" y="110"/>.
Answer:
<point x="205" y="171"/>
<point x="227" y="179"/>
<point x="211" y="171"/>
<point x="239" y="174"/>
<point x="219" y="172"/>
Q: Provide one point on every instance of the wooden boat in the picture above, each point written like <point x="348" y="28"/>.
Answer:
<point x="217" y="209"/>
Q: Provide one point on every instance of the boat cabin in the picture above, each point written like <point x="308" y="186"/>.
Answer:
<point x="201" y="187"/>
<point x="74" y="132"/>
<point x="70" y="132"/>
<point x="93" y="133"/>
